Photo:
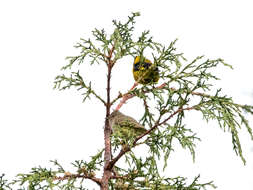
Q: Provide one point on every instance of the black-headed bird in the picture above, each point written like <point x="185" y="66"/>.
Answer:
<point x="144" y="71"/>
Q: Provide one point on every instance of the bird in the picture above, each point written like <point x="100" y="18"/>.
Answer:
<point x="125" y="127"/>
<point x="144" y="71"/>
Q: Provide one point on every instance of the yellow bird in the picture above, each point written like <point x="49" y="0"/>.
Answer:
<point x="144" y="71"/>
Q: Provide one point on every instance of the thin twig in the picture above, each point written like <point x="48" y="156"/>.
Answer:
<point x="127" y="96"/>
<point x="93" y="92"/>
<point x="72" y="176"/>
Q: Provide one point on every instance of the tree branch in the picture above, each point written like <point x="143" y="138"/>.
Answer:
<point x="128" y="96"/>
<point x="68" y="176"/>
<point x="94" y="93"/>
<point x="76" y="80"/>
<point x="127" y="148"/>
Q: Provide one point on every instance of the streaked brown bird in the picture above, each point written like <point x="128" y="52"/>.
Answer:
<point x="125" y="127"/>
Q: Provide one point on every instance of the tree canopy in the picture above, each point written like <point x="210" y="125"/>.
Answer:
<point x="186" y="86"/>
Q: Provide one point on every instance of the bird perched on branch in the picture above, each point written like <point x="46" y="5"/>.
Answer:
<point x="144" y="71"/>
<point x="125" y="127"/>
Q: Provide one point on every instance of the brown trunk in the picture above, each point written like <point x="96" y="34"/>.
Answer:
<point x="107" y="131"/>
<point x="107" y="157"/>
<point x="105" y="180"/>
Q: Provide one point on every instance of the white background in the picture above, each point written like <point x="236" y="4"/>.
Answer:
<point x="39" y="124"/>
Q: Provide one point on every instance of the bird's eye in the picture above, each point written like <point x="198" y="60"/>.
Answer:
<point x="146" y="65"/>
<point x="136" y="66"/>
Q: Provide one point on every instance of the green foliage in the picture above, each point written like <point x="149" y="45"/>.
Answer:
<point x="154" y="182"/>
<point x="4" y="185"/>
<point x="57" y="177"/>
<point x="186" y="87"/>
<point x="142" y="173"/>
<point x="76" y="80"/>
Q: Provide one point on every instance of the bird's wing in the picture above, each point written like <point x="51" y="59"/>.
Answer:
<point x="129" y="120"/>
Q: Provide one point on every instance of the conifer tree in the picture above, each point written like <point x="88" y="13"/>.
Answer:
<point x="184" y="86"/>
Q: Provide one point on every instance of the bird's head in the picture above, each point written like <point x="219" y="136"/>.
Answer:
<point x="114" y="114"/>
